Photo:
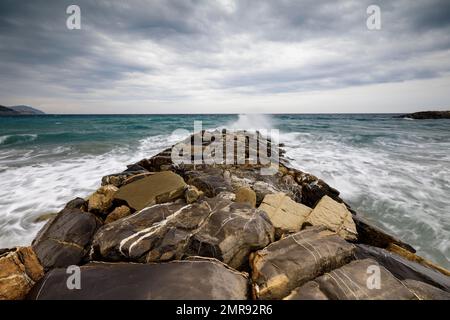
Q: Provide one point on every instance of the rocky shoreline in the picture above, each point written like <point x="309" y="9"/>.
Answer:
<point x="209" y="230"/>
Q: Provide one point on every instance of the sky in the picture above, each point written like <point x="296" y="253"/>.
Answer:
<point x="225" y="56"/>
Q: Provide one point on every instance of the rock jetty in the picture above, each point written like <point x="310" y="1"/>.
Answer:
<point x="202" y="229"/>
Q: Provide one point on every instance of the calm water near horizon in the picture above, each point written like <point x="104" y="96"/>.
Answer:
<point x="396" y="172"/>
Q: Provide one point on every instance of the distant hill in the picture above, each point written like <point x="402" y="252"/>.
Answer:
<point x="427" y="115"/>
<point x="19" y="110"/>
<point x="26" y="110"/>
<point x="5" y="111"/>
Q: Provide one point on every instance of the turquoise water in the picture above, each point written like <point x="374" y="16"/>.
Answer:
<point x="396" y="172"/>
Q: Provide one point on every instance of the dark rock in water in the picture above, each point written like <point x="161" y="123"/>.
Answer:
<point x="77" y="203"/>
<point x="292" y="261"/>
<point x="425" y="291"/>
<point x="120" y="179"/>
<point x="214" y="228"/>
<point x="374" y="236"/>
<point x="200" y="279"/>
<point x="336" y="284"/>
<point x="19" y="271"/>
<point x="402" y="268"/>
<point x="313" y="192"/>
<point x="426" y="115"/>
<point x="65" y="239"/>
<point x="158" y="188"/>
<point x="135" y="168"/>
<point x="154" y="164"/>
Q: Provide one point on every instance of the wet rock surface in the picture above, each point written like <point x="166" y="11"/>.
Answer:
<point x="157" y="188"/>
<point x="65" y="239"/>
<point x="200" y="279"/>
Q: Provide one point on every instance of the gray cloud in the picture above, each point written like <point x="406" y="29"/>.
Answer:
<point x="208" y="50"/>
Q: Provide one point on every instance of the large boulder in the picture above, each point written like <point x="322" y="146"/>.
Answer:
<point x="296" y="259"/>
<point x="215" y="228"/>
<point x="335" y="216"/>
<point x="210" y="181"/>
<point x="199" y="279"/>
<point x="101" y="200"/>
<point x="403" y="268"/>
<point x="19" y="271"/>
<point x="156" y="233"/>
<point x="286" y="215"/>
<point x="65" y="239"/>
<point x="158" y="188"/>
<point x="424" y="291"/>
<point x="231" y="232"/>
<point x="352" y="282"/>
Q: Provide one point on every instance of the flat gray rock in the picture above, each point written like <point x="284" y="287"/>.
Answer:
<point x="201" y="279"/>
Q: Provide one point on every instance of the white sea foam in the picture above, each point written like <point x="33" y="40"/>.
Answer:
<point x="251" y="122"/>
<point x="31" y="190"/>
<point x="404" y="191"/>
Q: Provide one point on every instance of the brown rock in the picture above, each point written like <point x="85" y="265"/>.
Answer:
<point x="335" y="216"/>
<point x="158" y="188"/>
<point x="192" y="194"/>
<point x="19" y="271"/>
<point x="101" y="200"/>
<point x="118" y="213"/>
<point x="246" y="195"/>
<point x="296" y="259"/>
<point x="285" y="214"/>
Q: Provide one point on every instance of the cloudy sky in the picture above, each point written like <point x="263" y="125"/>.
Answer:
<point x="227" y="56"/>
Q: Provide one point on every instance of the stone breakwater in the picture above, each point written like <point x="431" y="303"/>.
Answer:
<point x="165" y="230"/>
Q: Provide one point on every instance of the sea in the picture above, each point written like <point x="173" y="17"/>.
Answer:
<point x="395" y="172"/>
